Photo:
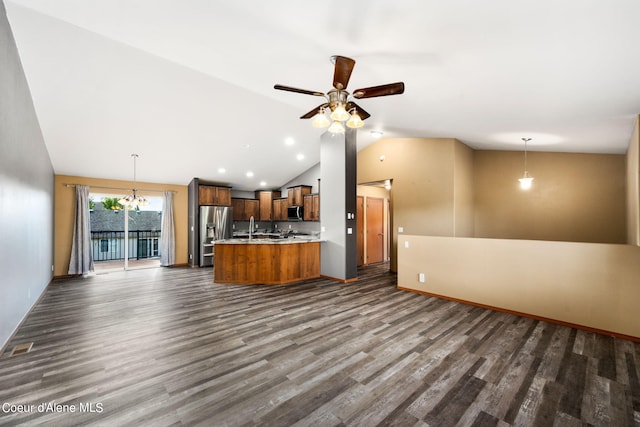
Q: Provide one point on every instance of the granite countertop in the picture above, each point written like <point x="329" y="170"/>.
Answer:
<point x="269" y="241"/>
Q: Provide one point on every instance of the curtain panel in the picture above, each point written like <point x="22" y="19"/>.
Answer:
<point x="81" y="257"/>
<point x="167" y="236"/>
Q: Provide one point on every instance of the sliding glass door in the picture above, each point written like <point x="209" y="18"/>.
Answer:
<point x="124" y="238"/>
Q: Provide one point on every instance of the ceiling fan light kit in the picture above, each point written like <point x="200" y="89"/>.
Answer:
<point x="342" y="109"/>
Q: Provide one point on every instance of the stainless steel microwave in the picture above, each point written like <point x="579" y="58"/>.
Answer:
<point x="294" y="213"/>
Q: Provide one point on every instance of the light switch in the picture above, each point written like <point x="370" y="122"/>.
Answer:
<point x="400" y="229"/>
<point x="349" y="230"/>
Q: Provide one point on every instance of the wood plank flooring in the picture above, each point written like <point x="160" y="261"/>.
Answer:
<point x="168" y="347"/>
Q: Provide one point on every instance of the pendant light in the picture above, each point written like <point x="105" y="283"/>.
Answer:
<point x="526" y="181"/>
<point x="133" y="200"/>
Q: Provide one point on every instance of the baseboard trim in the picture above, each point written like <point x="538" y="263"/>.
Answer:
<point x="528" y="315"/>
<point x="335" y="279"/>
<point x="5" y="345"/>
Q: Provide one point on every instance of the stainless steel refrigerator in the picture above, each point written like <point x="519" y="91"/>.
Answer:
<point x="216" y="223"/>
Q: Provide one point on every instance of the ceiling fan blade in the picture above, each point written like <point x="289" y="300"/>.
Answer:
<point x="342" y="71"/>
<point x="315" y="111"/>
<point x="363" y="114"/>
<point x="295" y="89"/>
<point x="382" y="90"/>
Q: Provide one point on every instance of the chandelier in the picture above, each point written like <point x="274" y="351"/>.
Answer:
<point x="133" y="200"/>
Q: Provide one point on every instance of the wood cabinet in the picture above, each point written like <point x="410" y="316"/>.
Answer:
<point x="269" y="264"/>
<point x="266" y="199"/>
<point x="209" y="195"/>
<point x="244" y="209"/>
<point x="311" y="205"/>
<point x="296" y="194"/>
<point x="280" y="209"/>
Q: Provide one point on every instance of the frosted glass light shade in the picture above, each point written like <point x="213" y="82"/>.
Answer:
<point x="526" y="182"/>
<point x="320" y="120"/>
<point x="355" y="121"/>
<point x="339" y="114"/>
<point x="336" y="127"/>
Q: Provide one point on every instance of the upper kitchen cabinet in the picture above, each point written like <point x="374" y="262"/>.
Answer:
<point x="266" y="204"/>
<point x="280" y="209"/>
<point x="209" y="195"/>
<point x="311" y="205"/>
<point x="244" y="209"/>
<point x="296" y="194"/>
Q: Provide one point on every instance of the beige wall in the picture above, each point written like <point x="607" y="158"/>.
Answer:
<point x="633" y="187"/>
<point x="575" y="197"/>
<point x="588" y="284"/>
<point x="464" y="190"/>
<point x="423" y="180"/>
<point x="64" y="207"/>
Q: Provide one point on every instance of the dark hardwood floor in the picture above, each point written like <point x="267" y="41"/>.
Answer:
<point x="168" y="347"/>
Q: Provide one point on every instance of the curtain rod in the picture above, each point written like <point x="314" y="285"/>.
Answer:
<point x="119" y="189"/>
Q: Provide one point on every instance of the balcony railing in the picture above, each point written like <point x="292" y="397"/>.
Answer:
<point x="109" y="245"/>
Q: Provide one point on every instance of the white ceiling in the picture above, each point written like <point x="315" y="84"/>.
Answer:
<point x="188" y="85"/>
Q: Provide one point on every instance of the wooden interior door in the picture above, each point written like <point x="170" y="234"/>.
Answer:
<point x="360" y="229"/>
<point x="375" y="230"/>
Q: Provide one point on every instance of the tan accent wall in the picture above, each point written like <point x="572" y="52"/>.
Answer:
<point x="633" y="187"/>
<point x="64" y="208"/>
<point x="463" y="191"/>
<point x="422" y="170"/>
<point x="588" y="284"/>
<point x="575" y="197"/>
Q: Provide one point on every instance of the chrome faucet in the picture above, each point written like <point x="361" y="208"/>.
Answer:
<point x="251" y="222"/>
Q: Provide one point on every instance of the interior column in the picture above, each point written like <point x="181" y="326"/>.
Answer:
<point x="338" y="160"/>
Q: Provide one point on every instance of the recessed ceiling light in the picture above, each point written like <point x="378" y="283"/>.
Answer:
<point x="263" y="183"/>
<point x="222" y="170"/>
<point x="300" y="156"/>
<point x="289" y="141"/>
<point x="246" y="146"/>
<point x="249" y="174"/>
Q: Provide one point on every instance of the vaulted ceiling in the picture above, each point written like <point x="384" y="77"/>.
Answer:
<point x="188" y="85"/>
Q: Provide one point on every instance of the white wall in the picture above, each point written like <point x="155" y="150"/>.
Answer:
<point x="26" y="193"/>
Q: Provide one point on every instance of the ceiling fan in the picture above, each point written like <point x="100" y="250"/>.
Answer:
<point x="338" y="99"/>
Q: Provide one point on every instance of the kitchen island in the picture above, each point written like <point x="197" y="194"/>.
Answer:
<point x="266" y="261"/>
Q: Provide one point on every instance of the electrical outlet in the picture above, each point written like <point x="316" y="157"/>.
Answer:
<point x="406" y="243"/>
<point x="421" y="277"/>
